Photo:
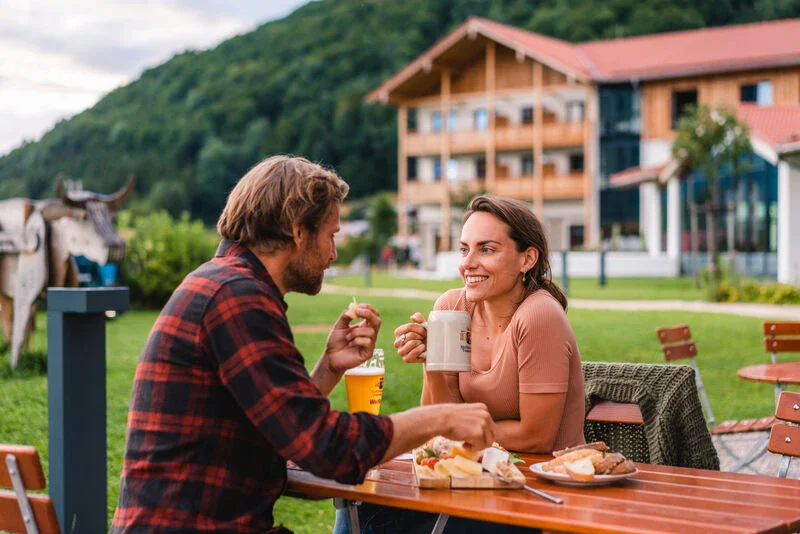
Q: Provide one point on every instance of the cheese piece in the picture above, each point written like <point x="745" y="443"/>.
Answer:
<point x="469" y="467"/>
<point x="491" y="457"/>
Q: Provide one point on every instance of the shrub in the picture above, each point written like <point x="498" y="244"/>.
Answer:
<point x="161" y="252"/>
<point x="753" y="291"/>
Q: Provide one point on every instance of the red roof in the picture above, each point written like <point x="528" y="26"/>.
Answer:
<point x="636" y="175"/>
<point x="666" y="55"/>
<point x="721" y="49"/>
<point x="556" y="50"/>
<point x="776" y="125"/>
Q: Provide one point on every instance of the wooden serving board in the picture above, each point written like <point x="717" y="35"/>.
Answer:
<point x="477" y="482"/>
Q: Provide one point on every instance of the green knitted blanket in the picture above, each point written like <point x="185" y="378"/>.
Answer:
<point x="674" y="427"/>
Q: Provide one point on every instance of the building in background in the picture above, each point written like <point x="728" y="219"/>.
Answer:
<point x="583" y="132"/>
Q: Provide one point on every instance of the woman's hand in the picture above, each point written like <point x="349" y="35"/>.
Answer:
<point x="410" y="339"/>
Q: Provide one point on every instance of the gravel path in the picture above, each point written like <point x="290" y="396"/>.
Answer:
<point x="785" y="312"/>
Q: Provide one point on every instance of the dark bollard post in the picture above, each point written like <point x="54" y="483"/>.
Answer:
<point x="76" y="395"/>
<point x="602" y="279"/>
<point x="564" y="276"/>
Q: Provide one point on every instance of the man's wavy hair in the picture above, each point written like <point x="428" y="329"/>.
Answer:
<point x="275" y="194"/>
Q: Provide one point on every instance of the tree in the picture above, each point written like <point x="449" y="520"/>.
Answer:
<point x="708" y="141"/>
<point x="382" y="218"/>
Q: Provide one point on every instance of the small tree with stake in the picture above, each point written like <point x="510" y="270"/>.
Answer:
<point x="709" y="140"/>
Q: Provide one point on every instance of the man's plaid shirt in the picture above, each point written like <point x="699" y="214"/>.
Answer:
<point x="221" y="399"/>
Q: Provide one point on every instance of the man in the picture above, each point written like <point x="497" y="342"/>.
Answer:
<point x="221" y="398"/>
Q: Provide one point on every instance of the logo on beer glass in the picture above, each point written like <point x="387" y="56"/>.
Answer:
<point x="364" y="385"/>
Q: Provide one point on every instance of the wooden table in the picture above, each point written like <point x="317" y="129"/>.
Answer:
<point x="779" y="374"/>
<point x="657" y="499"/>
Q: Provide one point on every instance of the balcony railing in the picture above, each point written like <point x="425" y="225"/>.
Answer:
<point x="428" y="192"/>
<point x="554" y="134"/>
<point x="556" y="186"/>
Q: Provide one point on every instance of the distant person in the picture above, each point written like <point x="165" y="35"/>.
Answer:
<point x="525" y="362"/>
<point x="221" y="397"/>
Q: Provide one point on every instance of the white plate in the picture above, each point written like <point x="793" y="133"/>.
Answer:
<point x="566" y="480"/>
<point x="404" y="456"/>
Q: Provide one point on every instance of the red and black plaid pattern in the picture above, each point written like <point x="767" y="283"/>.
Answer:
<point x="221" y="399"/>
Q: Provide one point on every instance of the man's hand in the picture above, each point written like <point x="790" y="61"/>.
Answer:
<point x="472" y="423"/>
<point x="349" y="345"/>
<point x="460" y="422"/>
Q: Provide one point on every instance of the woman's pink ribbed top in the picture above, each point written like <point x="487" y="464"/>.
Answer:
<point x="538" y="355"/>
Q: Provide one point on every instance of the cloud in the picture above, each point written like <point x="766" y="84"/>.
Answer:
<point x="58" y="57"/>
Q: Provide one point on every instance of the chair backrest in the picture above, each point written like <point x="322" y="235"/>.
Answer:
<point x="673" y="430"/>
<point x="781" y="336"/>
<point x="677" y="344"/>
<point x="784" y="438"/>
<point x="21" y="470"/>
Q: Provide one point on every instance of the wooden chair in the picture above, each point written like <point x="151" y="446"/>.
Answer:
<point x="20" y="512"/>
<point x="677" y="344"/>
<point x="781" y="336"/>
<point x="784" y="438"/>
<point x="649" y="412"/>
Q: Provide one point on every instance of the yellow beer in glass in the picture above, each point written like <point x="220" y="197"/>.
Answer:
<point x="364" y="385"/>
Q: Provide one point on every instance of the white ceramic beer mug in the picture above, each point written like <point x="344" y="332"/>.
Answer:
<point x="449" y="340"/>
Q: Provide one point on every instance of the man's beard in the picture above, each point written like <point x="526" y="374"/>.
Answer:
<point x="301" y="276"/>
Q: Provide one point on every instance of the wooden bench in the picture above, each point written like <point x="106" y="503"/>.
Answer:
<point x="20" y="512"/>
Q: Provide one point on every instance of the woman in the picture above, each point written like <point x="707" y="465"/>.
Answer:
<point x="525" y="363"/>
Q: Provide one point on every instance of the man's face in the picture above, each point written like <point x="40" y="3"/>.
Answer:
<point x="305" y="272"/>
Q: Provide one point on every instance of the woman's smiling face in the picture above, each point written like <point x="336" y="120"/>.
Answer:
<point x="490" y="266"/>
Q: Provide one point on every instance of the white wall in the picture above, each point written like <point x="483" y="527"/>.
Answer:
<point x="789" y="220"/>
<point x="654" y="152"/>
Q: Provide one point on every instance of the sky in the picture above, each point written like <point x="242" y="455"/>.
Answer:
<point x="59" y="57"/>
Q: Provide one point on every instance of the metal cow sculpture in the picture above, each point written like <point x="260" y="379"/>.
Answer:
<point x="38" y="239"/>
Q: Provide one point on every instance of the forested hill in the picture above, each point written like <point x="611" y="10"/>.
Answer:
<point x="189" y="128"/>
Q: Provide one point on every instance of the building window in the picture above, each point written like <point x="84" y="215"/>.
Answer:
<point x="481" y="120"/>
<point x="527" y="115"/>
<point x="576" y="163"/>
<point x="437" y="170"/>
<point x="575" y="236"/>
<point x="681" y="100"/>
<point x="452" y="170"/>
<point x="758" y="93"/>
<point x="480" y="167"/>
<point x="575" y="111"/>
<point x="411" y="168"/>
<point x="527" y="165"/>
<point x="452" y="121"/>
<point x="411" y="120"/>
<point x="436" y="122"/>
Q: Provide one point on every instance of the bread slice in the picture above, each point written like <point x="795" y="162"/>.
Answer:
<point x="582" y="470"/>
<point x="352" y="310"/>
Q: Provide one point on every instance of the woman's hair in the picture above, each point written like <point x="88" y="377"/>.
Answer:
<point x="526" y="231"/>
<point x="275" y="194"/>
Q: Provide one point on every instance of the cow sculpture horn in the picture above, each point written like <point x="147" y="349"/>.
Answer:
<point x="115" y="199"/>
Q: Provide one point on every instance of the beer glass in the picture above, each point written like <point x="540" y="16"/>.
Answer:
<point x="364" y="385"/>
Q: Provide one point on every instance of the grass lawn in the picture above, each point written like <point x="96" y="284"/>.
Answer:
<point x="725" y="343"/>
<point x="579" y="288"/>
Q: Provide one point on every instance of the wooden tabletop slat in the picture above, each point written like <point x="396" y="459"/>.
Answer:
<point x="657" y="499"/>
